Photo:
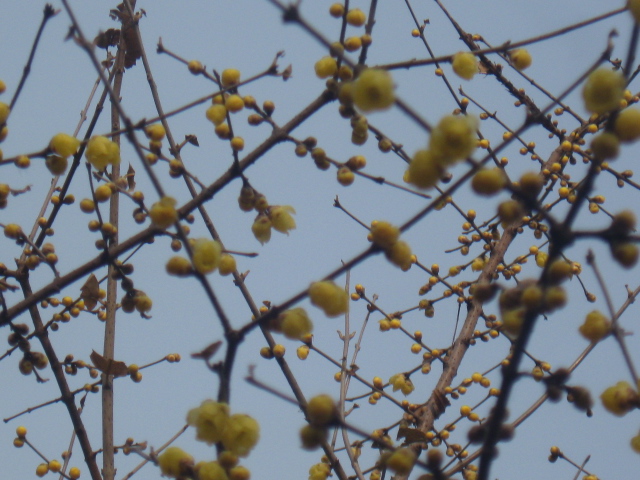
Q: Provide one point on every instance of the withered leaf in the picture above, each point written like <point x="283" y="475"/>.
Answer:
<point x="133" y="49"/>
<point x="208" y="351"/>
<point x="411" y="435"/>
<point x="90" y="292"/>
<point x="107" y="39"/>
<point x="286" y="74"/>
<point x="131" y="178"/>
<point x="441" y="402"/>
<point x="110" y="367"/>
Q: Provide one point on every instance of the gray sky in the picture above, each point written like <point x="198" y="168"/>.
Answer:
<point x="246" y="34"/>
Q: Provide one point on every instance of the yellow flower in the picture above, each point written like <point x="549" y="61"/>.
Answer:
<point x="4" y="112"/>
<point x="56" y="164"/>
<point x="326" y="67"/>
<point x="319" y="471"/>
<point x="64" y="145"/>
<point x="239" y="472"/>
<point x="401" y="461"/>
<point x="179" y="266"/>
<point x="216" y="114"/>
<point x="384" y="234"/>
<point x="295" y="323"/>
<point x="281" y="219"/>
<point x="321" y="410"/>
<point x="401" y="382"/>
<point x="206" y="255"/>
<point x="454" y="138"/>
<point x="210" y="471"/>
<point x="155" y="132"/>
<point x="227" y="264"/>
<point x="356" y="17"/>
<point x="595" y="327"/>
<point x="603" y="90"/>
<point x="240" y="434"/>
<point x="627" y="125"/>
<point x="328" y="296"/>
<point x="619" y="399"/>
<point x="163" y="213"/>
<point x="400" y="255"/>
<point x="373" y="90"/>
<point x="261" y="229"/>
<point x="424" y="170"/>
<point x="465" y="65"/>
<point x="174" y="462"/>
<point x="210" y="420"/>
<point x="520" y="58"/>
<point x="230" y="76"/>
<point x="634" y="9"/>
<point x="101" y="152"/>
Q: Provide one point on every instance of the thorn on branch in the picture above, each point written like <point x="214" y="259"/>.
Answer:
<point x="71" y="33"/>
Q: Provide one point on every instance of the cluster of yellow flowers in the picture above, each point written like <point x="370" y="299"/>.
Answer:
<point x="278" y="217"/>
<point x="238" y="434"/>
<point x="401" y="382"/>
<point x="604" y="92"/>
<point x="101" y="152"/>
<point x="321" y="413"/>
<point x="319" y="471"/>
<point x="373" y="90"/>
<point x="595" y="327"/>
<point x="387" y="237"/>
<point x="452" y="140"/>
<point x="295" y="324"/>
<point x="620" y="398"/>
<point x="163" y="213"/>
<point x="61" y="146"/>
<point x="400" y="461"/>
<point x="328" y="296"/>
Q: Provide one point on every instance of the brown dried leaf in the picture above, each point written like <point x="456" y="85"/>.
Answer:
<point x="192" y="139"/>
<point x="133" y="49"/>
<point x="208" y="352"/>
<point x="131" y="178"/>
<point x="441" y="402"/>
<point x="411" y="435"/>
<point x="90" y="292"/>
<point x="107" y="39"/>
<point x="286" y="74"/>
<point x="110" y="367"/>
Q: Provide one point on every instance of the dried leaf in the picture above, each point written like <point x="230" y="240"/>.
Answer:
<point x="208" y="352"/>
<point x="286" y="74"/>
<point x="90" y="292"/>
<point x="133" y="49"/>
<point x="107" y="39"/>
<point x="131" y="178"/>
<point x="110" y="367"/>
<point x="441" y="402"/>
<point x="411" y="435"/>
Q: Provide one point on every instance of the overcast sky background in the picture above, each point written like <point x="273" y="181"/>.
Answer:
<point x="246" y="34"/>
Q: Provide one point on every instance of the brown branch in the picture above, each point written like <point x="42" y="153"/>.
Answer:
<point x="67" y="396"/>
